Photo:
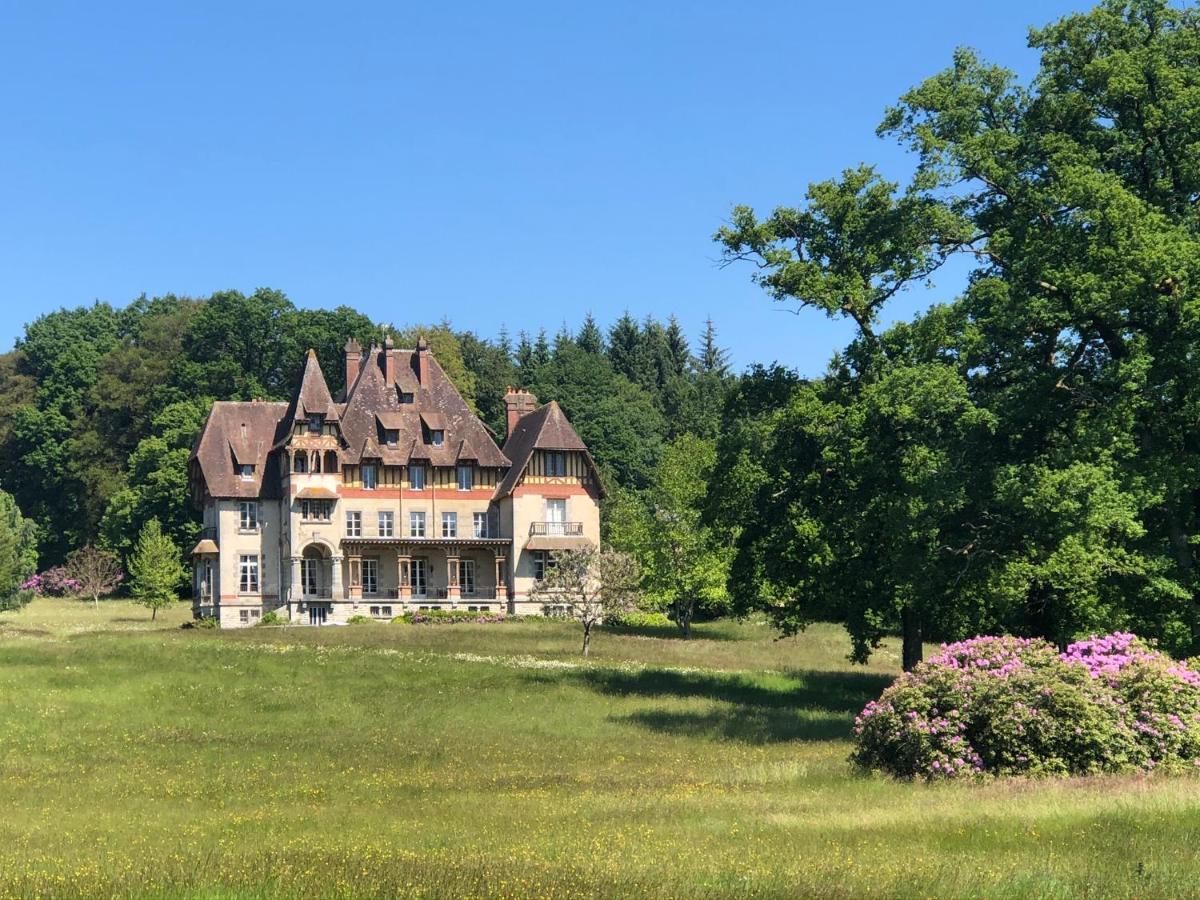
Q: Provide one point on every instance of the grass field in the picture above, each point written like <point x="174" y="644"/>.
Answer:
<point x="488" y="761"/>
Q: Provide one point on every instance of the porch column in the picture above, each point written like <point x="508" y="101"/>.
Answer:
<point x="336" y="588"/>
<point x="502" y="592"/>
<point x="452" y="587"/>
<point x="404" y="574"/>
<point x="355" y="576"/>
<point x="295" y="593"/>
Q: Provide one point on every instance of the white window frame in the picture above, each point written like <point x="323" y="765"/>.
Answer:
<point x="449" y="524"/>
<point x="354" y="523"/>
<point x="479" y="524"/>
<point x="466" y="483"/>
<point x="416" y="477"/>
<point x="370" y="482"/>
<point x="386" y="523"/>
<point x="248" y="515"/>
<point x="248" y="574"/>
<point x="370" y="576"/>
<point x="417" y="523"/>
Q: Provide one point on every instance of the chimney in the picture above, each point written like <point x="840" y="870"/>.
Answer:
<point x="353" y="361"/>
<point x="389" y="361"/>
<point x="422" y="362"/>
<point x="516" y="404"/>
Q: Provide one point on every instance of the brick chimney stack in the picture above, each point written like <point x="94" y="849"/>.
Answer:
<point x="516" y="404"/>
<point x="389" y="361"/>
<point x="353" y="361"/>
<point x="422" y="361"/>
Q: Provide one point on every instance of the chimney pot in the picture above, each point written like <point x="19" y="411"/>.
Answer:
<point x="353" y="362"/>
<point x="517" y="403"/>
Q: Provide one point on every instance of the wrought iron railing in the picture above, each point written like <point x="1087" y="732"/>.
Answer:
<point x="556" y="529"/>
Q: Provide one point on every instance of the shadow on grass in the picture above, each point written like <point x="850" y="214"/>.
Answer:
<point x="670" y="632"/>
<point x="802" y="706"/>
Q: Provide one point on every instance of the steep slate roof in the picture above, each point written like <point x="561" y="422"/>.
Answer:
<point x="313" y="398"/>
<point x="374" y="404"/>
<point x="238" y="433"/>
<point x="546" y="428"/>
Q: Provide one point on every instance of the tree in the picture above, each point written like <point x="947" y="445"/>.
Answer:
<point x="590" y="338"/>
<point x="684" y="561"/>
<point x="18" y="553"/>
<point x="154" y="569"/>
<point x="97" y="571"/>
<point x="591" y="584"/>
<point x="712" y="359"/>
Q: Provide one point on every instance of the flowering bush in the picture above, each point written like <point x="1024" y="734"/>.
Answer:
<point x="1005" y="706"/>
<point x="450" y="617"/>
<point x="52" y="583"/>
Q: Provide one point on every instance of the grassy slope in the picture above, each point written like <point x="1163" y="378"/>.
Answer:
<point x="487" y="760"/>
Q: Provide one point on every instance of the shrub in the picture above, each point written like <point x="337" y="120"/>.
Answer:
<point x="1008" y="706"/>
<point x="450" y="617"/>
<point x="53" y="582"/>
<point x="638" y="619"/>
<point x="203" y="622"/>
<point x="359" y="620"/>
<point x="272" y="618"/>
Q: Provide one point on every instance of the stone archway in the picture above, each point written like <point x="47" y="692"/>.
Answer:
<point x="316" y="572"/>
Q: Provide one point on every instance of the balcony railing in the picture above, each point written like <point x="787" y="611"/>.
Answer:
<point x="556" y="529"/>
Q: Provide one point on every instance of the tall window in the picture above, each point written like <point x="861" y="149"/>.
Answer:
<point x="480" y="524"/>
<point x="316" y="424"/>
<point x="370" y="476"/>
<point x="556" y="516"/>
<point x="387" y="523"/>
<point x="416" y="477"/>
<point x="370" y="575"/>
<point x="248" y="574"/>
<point x="416" y="523"/>
<point x="466" y="577"/>
<point x="556" y="463"/>
<point x="300" y="462"/>
<point x="354" y="524"/>
<point x="449" y="524"/>
<point x="541" y="560"/>
<point x="466" y="477"/>
<point x="248" y="515"/>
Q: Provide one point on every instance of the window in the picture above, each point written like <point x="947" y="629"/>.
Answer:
<point x="416" y="477"/>
<point x="246" y="473"/>
<point x="437" y="437"/>
<point x="466" y="477"/>
<point x="480" y="524"/>
<point x="449" y="524"/>
<point x="248" y="515"/>
<point x="370" y="476"/>
<point x="315" y="464"/>
<point x="316" y="510"/>
<point x="316" y="424"/>
<point x="556" y="517"/>
<point x="244" y="615"/>
<point x="466" y="577"/>
<point x="255" y="613"/>
<point x="387" y="610"/>
<point x="556" y="463"/>
<point x="370" y="576"/>
<point x="387" y="523"/>
<point x="374" y="610"/>
<point x="406" y="397"/>
<point x="354" y="524"/>
<point x="392" y="435"/>
<point x="300" y="462"/>
<point x="542" y="563"/>
<point x="416" y="523"/>
<point x="248" y="574"/>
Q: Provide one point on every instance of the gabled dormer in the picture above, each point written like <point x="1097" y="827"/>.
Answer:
<point x="312" y="425"/>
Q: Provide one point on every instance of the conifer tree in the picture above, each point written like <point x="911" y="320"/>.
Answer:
<point x="712" y="359"/>
<point x="590" y="338"/>
<point x="155" y="570"/>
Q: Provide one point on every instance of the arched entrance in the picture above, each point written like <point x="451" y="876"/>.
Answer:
<point x="316" y="573"/>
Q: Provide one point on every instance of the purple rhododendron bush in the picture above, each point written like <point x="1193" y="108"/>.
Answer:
<point x="1016" y="706"/>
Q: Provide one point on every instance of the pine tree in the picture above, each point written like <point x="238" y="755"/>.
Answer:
<point x="590" y="338"/>
<point x="713" y="359"/>
<point x="562" y="339"/>
<point x="524" y="353"/>
<point x="504" y="342"/>
<point x="155" y="569"/>
<point x="623" y="340"/>
<point x="541" y="349"/>
<point x="677" y="346"/>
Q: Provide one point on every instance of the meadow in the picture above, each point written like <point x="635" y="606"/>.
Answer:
<point x="145" y="759"/>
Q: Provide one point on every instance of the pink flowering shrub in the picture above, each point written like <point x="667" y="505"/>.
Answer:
<point x="52" y="583"/>
<point x="1008" y="706"/>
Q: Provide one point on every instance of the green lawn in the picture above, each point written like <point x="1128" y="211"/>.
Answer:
<point x="487" y="760"/>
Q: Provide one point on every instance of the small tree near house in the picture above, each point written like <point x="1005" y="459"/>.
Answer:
<point x="96" y="571"/>
<point x="591" y="584"/>
<point x="154" y="568"/>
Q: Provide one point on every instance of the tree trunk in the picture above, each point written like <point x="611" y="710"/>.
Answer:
<point x="910" y="629"/>
<point x="684" y="610"/>
<point x="587" y="638"/>
<point x="153" y="612"/>
<point x="96" y="602"/>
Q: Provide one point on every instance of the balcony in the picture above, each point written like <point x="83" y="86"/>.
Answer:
<point x="555" y="529"/>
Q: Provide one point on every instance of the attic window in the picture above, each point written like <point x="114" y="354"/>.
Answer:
<point x="556" y="463"/>
<point x="316" y="424"/>
<point x="406" y="397"/>
<point x="246" y="473"/>
<point x="393" y="436"/>
<point x="437" y="437"/>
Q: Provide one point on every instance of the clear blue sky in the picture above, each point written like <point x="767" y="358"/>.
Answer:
<point x="495" y="163"/>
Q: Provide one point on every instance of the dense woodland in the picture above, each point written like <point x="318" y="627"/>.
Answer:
<point x="1024" y="457"/>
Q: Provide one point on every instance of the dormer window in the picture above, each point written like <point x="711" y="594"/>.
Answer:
<point x="316" y="424"/>
<point x="392" y="435"/>
<point x="556" y="464"/>
<point x="246" y="473"/>
<point x="370" y="477"/>
<point x="437" y="437"/>
<point x="416" y="477"/>
<point x="406" y="397"/>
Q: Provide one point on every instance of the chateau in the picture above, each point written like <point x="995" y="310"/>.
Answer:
<point x="393" y="498"/>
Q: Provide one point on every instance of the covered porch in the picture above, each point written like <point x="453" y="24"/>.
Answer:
<point x="427" y="572"/>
